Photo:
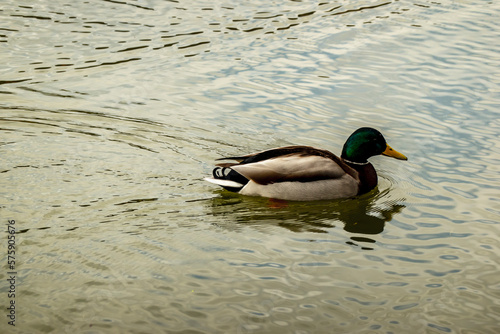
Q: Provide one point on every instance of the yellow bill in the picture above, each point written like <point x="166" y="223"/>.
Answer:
<point x="390" y="152"/>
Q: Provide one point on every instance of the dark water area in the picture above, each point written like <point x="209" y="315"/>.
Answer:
<point x="113" y="112"/>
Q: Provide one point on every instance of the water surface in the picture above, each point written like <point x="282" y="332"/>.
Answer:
<point x="112" y="112"/>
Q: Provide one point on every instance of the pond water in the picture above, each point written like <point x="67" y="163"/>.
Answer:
<point x="113" y="112"/>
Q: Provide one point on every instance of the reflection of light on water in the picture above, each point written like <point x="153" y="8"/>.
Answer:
<point x="112" y="111"/>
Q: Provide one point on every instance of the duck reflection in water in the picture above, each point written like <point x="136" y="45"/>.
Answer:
<point x="365" y="215"/>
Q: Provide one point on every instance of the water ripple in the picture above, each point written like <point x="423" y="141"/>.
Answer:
<point x="113" y="111"/>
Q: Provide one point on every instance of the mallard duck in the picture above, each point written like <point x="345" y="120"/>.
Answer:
<point x="305" y="173"/>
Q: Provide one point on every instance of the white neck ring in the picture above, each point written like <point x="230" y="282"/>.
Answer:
<point x="356" y="163"/>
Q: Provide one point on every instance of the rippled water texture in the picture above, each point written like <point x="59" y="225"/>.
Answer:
<point x="112" y="112"/>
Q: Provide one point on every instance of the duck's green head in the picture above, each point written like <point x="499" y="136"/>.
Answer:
<point x="365" y="143"/>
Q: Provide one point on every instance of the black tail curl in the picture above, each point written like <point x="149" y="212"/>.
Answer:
<point x="226" y="173"/>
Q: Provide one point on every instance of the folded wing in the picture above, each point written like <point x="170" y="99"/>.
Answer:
<point x="292" y="167"/>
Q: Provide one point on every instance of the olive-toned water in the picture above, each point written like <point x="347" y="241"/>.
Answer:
<point x="113" y="112"/>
